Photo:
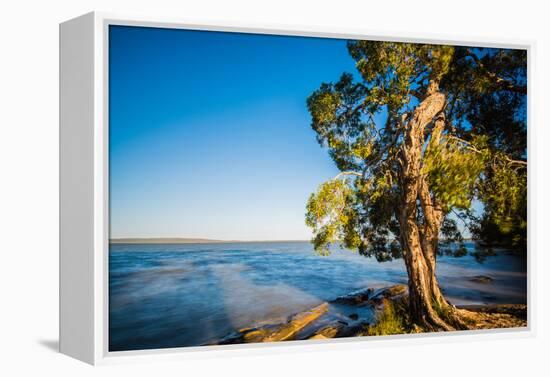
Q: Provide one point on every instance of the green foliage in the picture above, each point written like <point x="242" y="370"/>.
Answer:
<point x="323" y="106"/>
<point x="487" y="97"/>
<point x="393" y="69"/>
<point x="330" y="212"/>
<point x="390" y="321"/>
<point x="484" y="127"/>
<point x="343" y="116"/>
<point x="504" y="222"/>
<point x="454" y="170"/>
<point x="339" y="123"/>
<point x="505" y="193"/>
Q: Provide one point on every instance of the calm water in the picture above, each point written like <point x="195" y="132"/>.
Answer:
<point x="190" y="294"/>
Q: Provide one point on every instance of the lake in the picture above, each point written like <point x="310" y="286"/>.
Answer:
<point x="176" y="295"/>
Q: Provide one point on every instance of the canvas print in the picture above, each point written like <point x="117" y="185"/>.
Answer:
<point x="267" y="188"/>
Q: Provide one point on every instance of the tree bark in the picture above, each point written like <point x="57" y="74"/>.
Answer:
<point x="420" y="234"/>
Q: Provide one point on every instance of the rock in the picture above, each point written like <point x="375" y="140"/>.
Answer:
<point x="285" y="331"/>
<point x="319" y="336"/>
<point x="327" y="332"/>
<point x="318" y="322"/>
<point x="481" y="279"/>
<point x="372" y="296"/>
<point x="362" y="308"/>
<point x="354" y="298"/>
<point x="338" y="329"/>
<point x="391" y="293"/>
<point x="354" y="330"/>
<point x="257" y="335"/>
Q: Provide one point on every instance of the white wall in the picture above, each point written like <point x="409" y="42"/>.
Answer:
<point x="29" y="182"/>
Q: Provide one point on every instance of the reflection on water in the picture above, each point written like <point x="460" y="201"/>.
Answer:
<point x="189" y="294"/>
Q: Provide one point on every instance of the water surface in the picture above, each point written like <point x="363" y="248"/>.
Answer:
<point x="192" y="294"/>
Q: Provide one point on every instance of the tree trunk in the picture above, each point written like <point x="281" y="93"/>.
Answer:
<point x="420" y="234"/>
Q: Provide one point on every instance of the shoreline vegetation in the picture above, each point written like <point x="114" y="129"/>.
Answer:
<point x="371" y="312"/>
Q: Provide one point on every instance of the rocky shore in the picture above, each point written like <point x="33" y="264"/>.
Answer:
<point x="368" y="312"/>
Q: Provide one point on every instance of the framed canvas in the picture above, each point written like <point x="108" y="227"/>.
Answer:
<point x="255" y="189"/>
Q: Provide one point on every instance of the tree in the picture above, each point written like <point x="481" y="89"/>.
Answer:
<point x="489" y="88"/>
<point x="418" y="133"/>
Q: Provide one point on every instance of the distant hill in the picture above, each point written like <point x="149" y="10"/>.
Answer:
<point x="164" y="240"/>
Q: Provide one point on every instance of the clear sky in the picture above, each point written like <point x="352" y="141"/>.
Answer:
<point x="210" y="135"/>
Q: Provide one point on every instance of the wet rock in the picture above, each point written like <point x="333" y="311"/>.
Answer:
<point x="327" y="332"/>
<point x="393" y="292"/>
<point x="354" y="298"/>
<point x="351" y="315"/>
<point x="354" y="330"/>
<point x="318" y="336"/>
<point x="325" y="321"/>
<point x="370" y="295"/>
<point x="481" y="279"/>
<point x="338" y="329"/>
<point x="276" y="333"/>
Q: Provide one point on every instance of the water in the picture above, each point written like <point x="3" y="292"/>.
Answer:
<point x="193" y="294"/>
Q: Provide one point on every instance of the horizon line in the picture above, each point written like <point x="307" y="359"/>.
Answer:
<point x="166" y="240"/>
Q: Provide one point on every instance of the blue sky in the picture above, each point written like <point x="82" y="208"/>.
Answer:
<point x="210" y="135"/>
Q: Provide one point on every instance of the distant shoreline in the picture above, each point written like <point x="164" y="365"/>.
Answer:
<point x="182" y="240"/>
<point x="189" y="241"/>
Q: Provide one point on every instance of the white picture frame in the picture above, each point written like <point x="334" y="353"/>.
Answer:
<point x="84" y="191"/>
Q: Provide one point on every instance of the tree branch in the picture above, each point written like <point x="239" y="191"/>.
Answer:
<point x="502" y="83"/>
<point x="459" y="217"/>
<point x="344" y="173"/>
<point x="471" y="147"/>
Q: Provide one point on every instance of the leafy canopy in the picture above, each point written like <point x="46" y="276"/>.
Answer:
<point x="360" y="119"/>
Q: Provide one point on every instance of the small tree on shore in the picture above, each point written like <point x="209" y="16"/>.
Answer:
<point x="418" y="133"/>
